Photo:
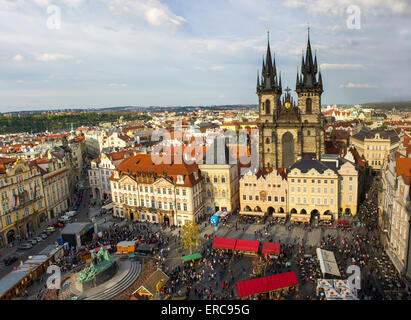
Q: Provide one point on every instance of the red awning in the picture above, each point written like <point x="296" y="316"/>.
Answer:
<point x="224" y="243"/>
<point x="247" y="245"/>
<point x="271" y="248"/>
<point x="266" y="284"/>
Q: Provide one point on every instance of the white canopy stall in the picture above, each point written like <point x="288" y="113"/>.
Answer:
<point x="328" y="264"/>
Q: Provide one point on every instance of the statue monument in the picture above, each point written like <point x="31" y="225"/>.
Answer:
<point x="101" y="268"/>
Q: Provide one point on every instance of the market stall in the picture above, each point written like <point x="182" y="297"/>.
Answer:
<point x="195" y="258"/>
<point x="153" y="285"/>
<point x="247" y="247"/>
<point x="126" y="246"/>
<point x="271" y="287"/>
<point x="224" y="243"/>
<point x="328" y="264"/>
<point x="271" y="249"/>
<point x="147" y="248"/>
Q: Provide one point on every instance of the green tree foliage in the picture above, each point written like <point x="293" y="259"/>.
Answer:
<point x="57" y="122"/>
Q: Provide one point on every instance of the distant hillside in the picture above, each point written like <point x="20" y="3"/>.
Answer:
<point x="398" y="105"/>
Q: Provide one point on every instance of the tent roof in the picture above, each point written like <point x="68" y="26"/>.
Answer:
<point x="192" y="257"/>
<point x="247" y="245"/>
<point x="266" y="284"/>
<point x="224" y="243"/>
<point x="328" y="264"/>
<point x="271" y="248"/>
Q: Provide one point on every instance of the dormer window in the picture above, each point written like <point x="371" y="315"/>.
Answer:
<point x="180" y="179"/>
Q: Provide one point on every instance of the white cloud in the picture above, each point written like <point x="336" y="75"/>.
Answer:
<point x="358" y="85"/>
<point x="294" y="3"/>
<point x="69" y="3"/>
<point x="118" y="85"/>
<point x="214" y="68"/>
<point x="155" y="12"/>
<point x="339" y="7"/>
<point x="336" y="66"/>
<point x="49" y="57"/>
<point x="18" y="58"/>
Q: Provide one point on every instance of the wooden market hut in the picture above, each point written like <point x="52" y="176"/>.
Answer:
<point x="153" y="284"/>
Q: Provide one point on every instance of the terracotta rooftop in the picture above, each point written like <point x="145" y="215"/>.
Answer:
<point x="143" y="163"/>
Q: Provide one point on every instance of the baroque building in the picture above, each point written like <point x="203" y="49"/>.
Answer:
<point x="144" y="191"/>
<point x="289" y="132"/>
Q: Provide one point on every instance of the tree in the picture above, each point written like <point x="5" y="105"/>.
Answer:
<point x="190" y="235"/>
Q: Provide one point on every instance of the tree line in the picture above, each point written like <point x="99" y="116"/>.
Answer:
<point x="57" y="122"/>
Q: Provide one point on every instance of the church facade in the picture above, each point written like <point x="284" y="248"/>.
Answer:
<point x="290" y="131"/>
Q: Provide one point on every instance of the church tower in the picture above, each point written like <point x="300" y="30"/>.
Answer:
<point x="309" y="87"/>
<point x="269" y="92"/>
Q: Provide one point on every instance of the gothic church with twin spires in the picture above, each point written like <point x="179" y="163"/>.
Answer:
<point x="290" y="131"/>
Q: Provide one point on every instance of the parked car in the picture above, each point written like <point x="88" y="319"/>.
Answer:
<point x="32" y="241"/>
<point x="25" y="246"/>
<point x="75" y="208"/>
<point x="44" y="235"/>
<point x="39" y="238"/>
<point x="10" y="260"/>
<point x="57" y="225"/>
<point x="71" y="214"/>
<point x="64" y="219"/>
<point x="51" y="229"/>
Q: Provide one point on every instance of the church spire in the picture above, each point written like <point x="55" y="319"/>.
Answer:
<point x="280" y="82"/>
<point x="309" y="68"/>
<point x="269" y="79"/>
<point x="320" y="80"/>
<point x="297" y="82"/>
<point x="258" y="80"/>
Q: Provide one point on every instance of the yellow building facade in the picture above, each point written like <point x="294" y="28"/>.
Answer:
<point x="263" y="193"/>
<point x="322" y="188"/>
<point x="22" y="207"/>
<point x="375" y="145"/>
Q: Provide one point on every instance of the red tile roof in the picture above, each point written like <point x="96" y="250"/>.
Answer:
<point x="143" y="163"/>
<point x="4" y="162"/>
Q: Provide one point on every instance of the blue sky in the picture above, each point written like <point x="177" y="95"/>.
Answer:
<point x="191" y="52"/>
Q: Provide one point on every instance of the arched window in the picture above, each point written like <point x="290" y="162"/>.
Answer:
<point x="267" y="140"/>
<point x="267" y="107"/>
<point x="308" y="133"/>
<point x="308" y="105"/>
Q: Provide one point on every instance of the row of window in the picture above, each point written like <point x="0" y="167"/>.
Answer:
<point x="146" y="189"/>
<point x="313" y="190"/>
<point x="318" y="181"/>
<point x="215" y="179"/>
<point x="304" y="201"/>
<point x="269" y="185"/>
<point x="151" y="203"/>
<point x="8" y="218"/>
<point x="269" y="198"/>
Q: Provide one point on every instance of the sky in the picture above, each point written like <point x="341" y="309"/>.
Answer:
<point x="101" y="53"/>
